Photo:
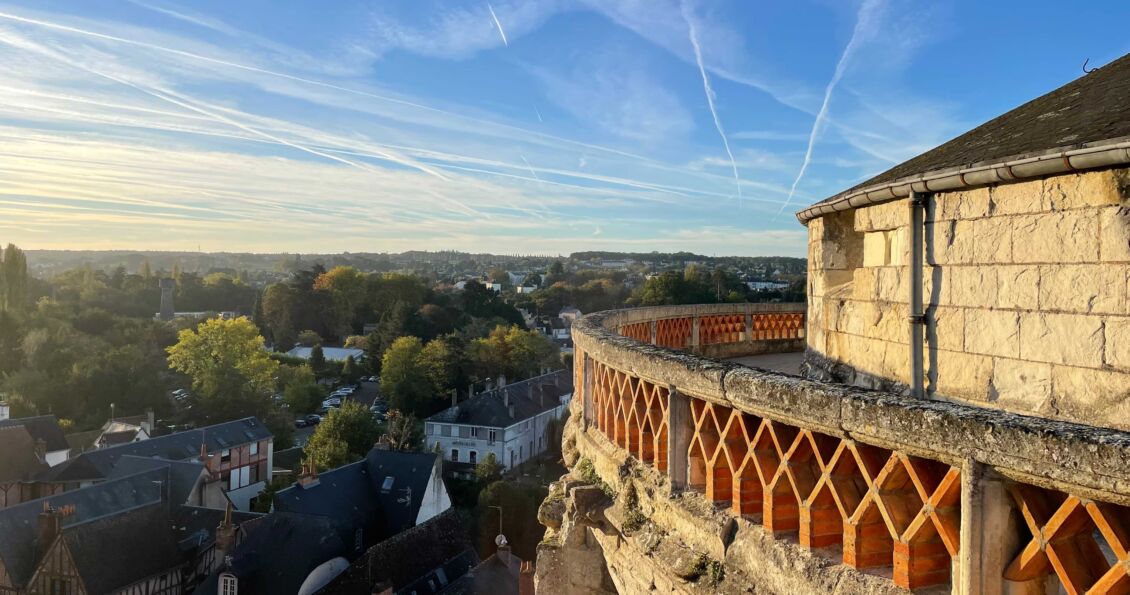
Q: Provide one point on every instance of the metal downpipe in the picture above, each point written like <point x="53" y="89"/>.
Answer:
<point x="917" y="319"/>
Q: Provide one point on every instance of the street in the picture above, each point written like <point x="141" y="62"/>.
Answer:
<point x="365" y="395"/>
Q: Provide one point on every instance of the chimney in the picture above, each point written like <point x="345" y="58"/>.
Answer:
<point x="526" y="579"/>
<point x="501" y="380"/>
<point x="41" y="449"/>
<point x="308" y="478"/>
<point x="530" y="390"/>
<point x="470" y="390"/>
<point x="49" y="527"/>
<point x="454" y="397"/>
<point x="510" y="407"/>
<point x="149" y="423"/>
<point x="225" y="536"/>
<point x="504" y="554"/>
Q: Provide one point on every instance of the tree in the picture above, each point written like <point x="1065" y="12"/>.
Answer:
<point x="13" y="279"/>
<point x="556" y="273"/>
<point x="488" y="469"/>
<point x="349" y="371"/>
<point x="347" y="289"/>
<point x="216" y="349"/>
<point x="402" y="431"/>
<point x="300" y="391"/>
<point x="309" y="338"/>
<point x="532" y="280"/>
<point x="404" y="381"/>
<point x="317" y="361"/>
<point x="512" y="351"/>
<point x="440" y="362"/>
<point x="144" y="270"/>
<point x="346" y="435"/>
<point x="231" y="373"/>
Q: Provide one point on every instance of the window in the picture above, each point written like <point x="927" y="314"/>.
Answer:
<point x="473" y="457"/>
<point x="59" y="586"/>
<point x="229" y="585"/>
<point x="492" y="435"/>
<point x="474" y="432"/>
<point x="254" y="448"/>
<point x="254" y="474"/>
<point x="445" y="430"/>
<point x="225" y="455"/>
<point x="464" y="432"/>
<point x="531" y="448"/>
<point x="455" y="455"/>
<point x="521" y="453"/>
<point x="511" y="458"/>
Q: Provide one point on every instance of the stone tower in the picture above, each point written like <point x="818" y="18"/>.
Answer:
<point x="167" y="287"/>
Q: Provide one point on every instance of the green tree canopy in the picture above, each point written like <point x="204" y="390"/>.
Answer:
<point x="488" y="469"/>
<point x="404" y="381"/>
<point x="346" y="435"/>
<point x="512" y="351"/>
<point x="218" y="351"/>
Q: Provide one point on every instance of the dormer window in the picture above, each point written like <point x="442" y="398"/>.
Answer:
<point x="229" y="585"/>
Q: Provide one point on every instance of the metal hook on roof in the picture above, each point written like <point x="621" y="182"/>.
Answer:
<point x="1085" y="71"/>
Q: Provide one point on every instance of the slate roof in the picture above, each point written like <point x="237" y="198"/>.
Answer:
<point x="195" y="526"/>
<point x="493" y="575"/>
<point x="353" y="497"/>
<point x="409" y="557"/>
<point x="122" y="549"/>
<point x="182" y="475"/>
<point x="289" y="459"/>
<point x="18" y="461"/>
<point x="278" y="551"/>
<point x="43" y="427"/>
<point x="19" y="523"/>
<point x="96" y="464"/>
<point x="1091" y="109"/>
<point x="81" y="441"/>
<point x="489" y="408"/>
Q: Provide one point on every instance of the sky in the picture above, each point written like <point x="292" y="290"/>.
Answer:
<point x="511" y="127"/>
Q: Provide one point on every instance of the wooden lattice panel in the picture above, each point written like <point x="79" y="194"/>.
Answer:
<point x="777" y="325"/>
<point x="724" y="328"/>
<point x="632" y="413"/>
<point x="674" y="332"/>
<point x="1068" y="534"/>
<point x="640" y="331"/>
<point x="886" y="508"/>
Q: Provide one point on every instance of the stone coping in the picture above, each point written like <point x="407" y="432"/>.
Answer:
<point x="1088" y="461"/>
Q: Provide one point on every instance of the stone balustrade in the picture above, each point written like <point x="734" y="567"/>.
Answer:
<point x="926" y="493"/>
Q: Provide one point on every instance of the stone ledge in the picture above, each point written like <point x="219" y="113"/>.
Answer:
<point x="1086" y="460"/>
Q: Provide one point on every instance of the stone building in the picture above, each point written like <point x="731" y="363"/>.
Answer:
<point x="512" y="422"/>
<point x="961" y="423"/>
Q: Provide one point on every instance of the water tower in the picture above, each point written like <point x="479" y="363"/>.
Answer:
<point x="167" y="287"/>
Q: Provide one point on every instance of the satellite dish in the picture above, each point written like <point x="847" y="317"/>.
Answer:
<point x="500" y="540"/>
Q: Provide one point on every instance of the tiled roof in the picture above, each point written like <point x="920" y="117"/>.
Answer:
<point x="122" y="549"/>
<point x="489" y="409"/>
<point x="1091" y="109"/>
<point x="43" y="427"/>
<point x="96" y="464"/>
<point x="354" y="496"/>
<point x="18" y="461"/>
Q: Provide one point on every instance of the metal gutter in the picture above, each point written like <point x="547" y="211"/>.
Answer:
<point x="1101" y="154"/>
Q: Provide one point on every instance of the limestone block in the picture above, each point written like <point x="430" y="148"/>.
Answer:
<point x="899" y="240"/>
<point x="863" y="284"/>
<point x="1018" y="287"/>
<point x="1115" y="234"/>
<point x="1072" y="339"/>
<point x="855" y="317"/>
<point x="831" y="308"/>
<point x="949" y="242"/>
<point x="1018" y="198"/>
<point x="896" y="362"/>
<point x="867" y="355"/>
<point x="992" y="332"/>
<point x="966" y="204"/>
<point x="891" y="284"/>
<point x="828" y="254"/>
<point x="934" y="290"/>
<point x="1117" y="342"/>
<point x="971" y="286"/>
<point x="876" y="249"/>
<point x="945" y="329"/>
<point x="959" y="375"/>
<point x="1068" y="236"/>
<point x="826" y="282"/>
<point x="881" y="217"/>
<point x="890" y="323"/>
<point x="1090" y="189"/>
<point x="1021" y="386"/>
<point x="992" y="240"/>
<point x="1083" y="288"/>
<point x="1096" y="397"/>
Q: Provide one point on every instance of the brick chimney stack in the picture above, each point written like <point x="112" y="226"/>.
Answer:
<point x="526" y="579"/>
<point x="225" y="536"/>
<point x="308" y="478"/>
<point x="50" y="525"/>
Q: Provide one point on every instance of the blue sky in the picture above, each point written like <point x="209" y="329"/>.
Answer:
<point x="548" y="127"/>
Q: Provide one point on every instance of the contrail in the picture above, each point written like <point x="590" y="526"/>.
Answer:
<point x="498" y="24"/>
<point x="710" y="95"/>
<point x="862" y="23"/>
<point x="538" y="112"/>
<point x="532" y="172"/>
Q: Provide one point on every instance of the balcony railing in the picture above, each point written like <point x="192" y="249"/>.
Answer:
<point x="895" y="483"/>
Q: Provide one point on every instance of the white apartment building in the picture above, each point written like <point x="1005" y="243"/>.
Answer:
<point x="511" y="421"/>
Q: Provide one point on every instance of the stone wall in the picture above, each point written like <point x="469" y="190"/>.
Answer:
<point x="1025" y="289"/>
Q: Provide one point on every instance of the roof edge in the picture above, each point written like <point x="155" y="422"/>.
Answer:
<point x="1054" y="161"/>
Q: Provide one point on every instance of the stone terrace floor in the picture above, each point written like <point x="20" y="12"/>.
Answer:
<point x="788" y="363"/>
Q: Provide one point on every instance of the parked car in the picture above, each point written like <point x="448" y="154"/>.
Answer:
<point x="313" y="419"/>
<point x="332" y="402"/>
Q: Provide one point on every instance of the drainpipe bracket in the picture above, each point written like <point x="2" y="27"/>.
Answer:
<point x="919" y="199"/>
<point x="916" y="319"/>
